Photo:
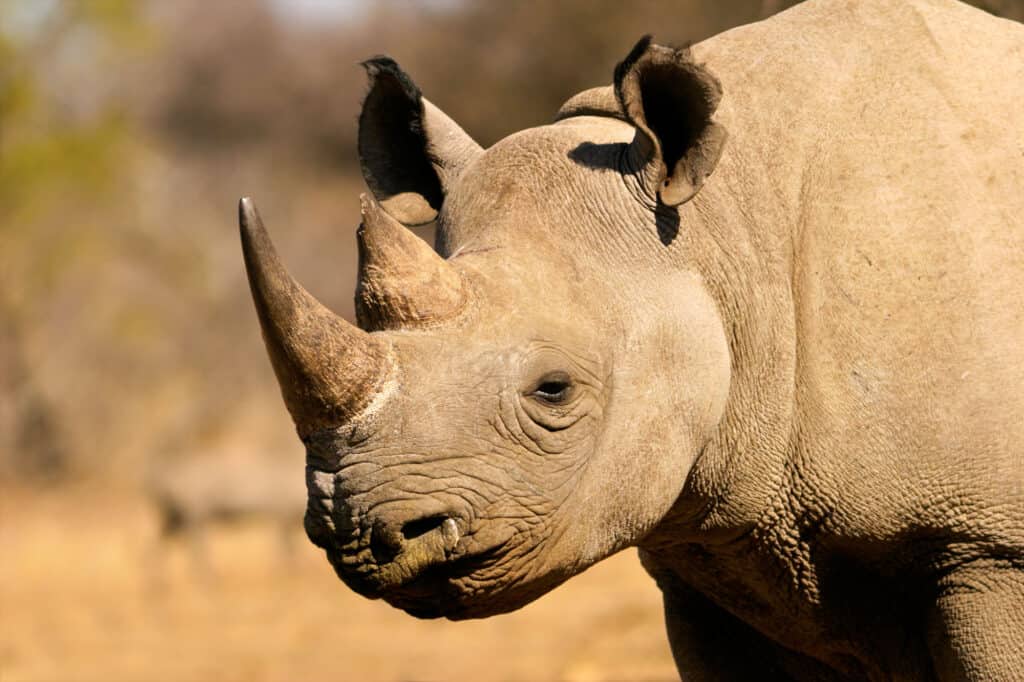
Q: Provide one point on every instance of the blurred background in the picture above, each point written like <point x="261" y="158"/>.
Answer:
<point x="137" y="407"/>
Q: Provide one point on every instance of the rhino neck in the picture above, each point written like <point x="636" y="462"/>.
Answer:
<point x="746" y="262"/>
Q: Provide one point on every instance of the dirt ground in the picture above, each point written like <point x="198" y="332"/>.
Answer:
<point x="86" y="593"/>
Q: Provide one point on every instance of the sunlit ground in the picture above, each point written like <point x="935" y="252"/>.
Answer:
<point x="86" y="593"/>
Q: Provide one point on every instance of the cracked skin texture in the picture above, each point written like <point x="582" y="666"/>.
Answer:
<point x="801" y="390"/>
<point x="874" y="520"/>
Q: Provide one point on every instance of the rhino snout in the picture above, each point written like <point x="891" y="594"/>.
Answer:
<point x="387" y="548"/>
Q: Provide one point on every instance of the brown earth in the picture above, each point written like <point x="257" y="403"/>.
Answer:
<point x="86" y="593"/>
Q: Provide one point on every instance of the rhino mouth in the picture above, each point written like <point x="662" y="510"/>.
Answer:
<point x="431" y="576"/>
<point x="438" y="591"/>
<point x="435" y="590"/>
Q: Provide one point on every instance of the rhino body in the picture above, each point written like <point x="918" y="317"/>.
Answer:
<point x="196" y="493"/>
<point x="755" y="308"/>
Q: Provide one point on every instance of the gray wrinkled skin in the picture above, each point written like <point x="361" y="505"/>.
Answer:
<point x="756" y="310"/>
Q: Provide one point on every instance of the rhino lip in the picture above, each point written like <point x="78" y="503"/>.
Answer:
<point x="433" y="593"/>
<point x="426" y="596"/>
<point x="425" y="592"/>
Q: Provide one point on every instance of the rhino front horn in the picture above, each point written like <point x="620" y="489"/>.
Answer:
<point x="328" y="369"/>
<point x="402" y="281"/>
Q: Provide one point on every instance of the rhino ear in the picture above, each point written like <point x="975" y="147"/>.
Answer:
<point x="409" y="150"/>
<point x="593" y="102"/>
<point x="670" y="99"/>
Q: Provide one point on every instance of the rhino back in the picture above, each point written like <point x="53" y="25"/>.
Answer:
<point x="886" y="141"/>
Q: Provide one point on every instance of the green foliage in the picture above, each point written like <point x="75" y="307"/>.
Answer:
<point x="57" y="170"/>
<point x="40" y="150"/>
<point x="32" y="166"/>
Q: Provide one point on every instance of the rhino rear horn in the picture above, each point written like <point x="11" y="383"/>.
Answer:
<point x="328" y="369"/>
<point x="409" y="150"/>
<point x="670" y="99"/>
<point x="403" y="282"/>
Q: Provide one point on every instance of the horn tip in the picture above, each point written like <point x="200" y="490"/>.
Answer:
<point x="249" y="221"/>
<point x="367" y="204"/>
<point x="247" y="214"/>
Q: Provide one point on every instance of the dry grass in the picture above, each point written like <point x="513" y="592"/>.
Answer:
<point x="86" y="594"/>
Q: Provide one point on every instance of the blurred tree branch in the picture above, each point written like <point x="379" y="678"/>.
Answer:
<point x="129" y="127"/>
<point x="45" y="158"/>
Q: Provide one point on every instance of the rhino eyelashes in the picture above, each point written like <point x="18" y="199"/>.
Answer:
<point x="554" y="388"/>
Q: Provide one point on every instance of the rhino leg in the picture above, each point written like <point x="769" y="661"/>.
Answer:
<point x="708" y="643"/>
<point x="199" y="550"/>
<point x="191" y="529"/>
<point x="976" y="629"/>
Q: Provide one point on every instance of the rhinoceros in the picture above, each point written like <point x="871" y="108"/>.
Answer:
<point x="755" y="309"/>
<point x="193" y="494"/>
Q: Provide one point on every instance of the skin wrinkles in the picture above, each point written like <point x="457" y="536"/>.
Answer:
<point x="762" y="384"/>
<point x="545" y="424"/>
<point x="542" y="441"/>
<point x="515" y="425"/>
<point x="522" y="564"/>
<point x="471" y="542"/>
<point x="408" y="490"/>
<point x="528" y="552"/>
<point x="505" y="573"/>
<point x="392" y="493"/>
<point x="497" y="513"/>
<point x="390" y="468"/>
<point x="519" y="474"/>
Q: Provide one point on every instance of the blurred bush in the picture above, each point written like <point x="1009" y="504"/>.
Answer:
<point x="61" y="153"/>
<point x="128" y="128"/>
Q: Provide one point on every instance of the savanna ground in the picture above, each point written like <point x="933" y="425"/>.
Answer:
<point x="86" y="593"/>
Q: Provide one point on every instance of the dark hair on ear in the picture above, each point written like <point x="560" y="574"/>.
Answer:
<point x="382" y="63"/>
<point x="623" y="67"/>
<point x="674" y="97"/>
<point x="384" y="67"/>
<point x="393" y="111"/>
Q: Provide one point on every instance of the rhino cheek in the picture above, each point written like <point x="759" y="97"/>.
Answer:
<point x="670" y="395"/>
<point x="505" y="479"/>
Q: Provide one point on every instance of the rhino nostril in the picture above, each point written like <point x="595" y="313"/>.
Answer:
<point x="424" y="537"/>
<point x="415" y="529"/>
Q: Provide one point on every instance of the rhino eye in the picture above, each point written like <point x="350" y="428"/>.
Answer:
<point x="554" y="388"/>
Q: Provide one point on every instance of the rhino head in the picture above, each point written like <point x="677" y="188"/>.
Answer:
<point x="529" y="397"/>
